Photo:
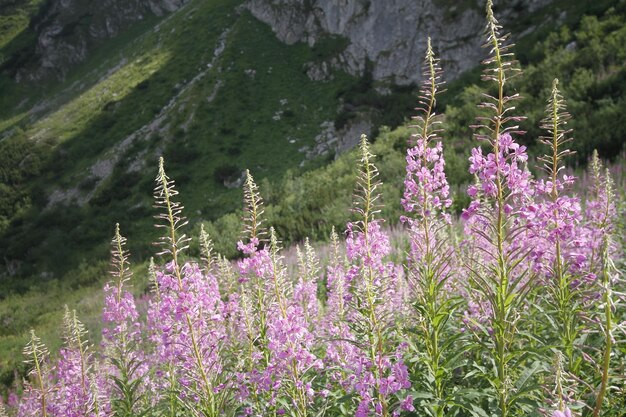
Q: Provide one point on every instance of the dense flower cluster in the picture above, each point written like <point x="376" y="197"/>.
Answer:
<point x="271" y="346"/>
<point x="425" y="186"/>
<point x="504" y="169"/>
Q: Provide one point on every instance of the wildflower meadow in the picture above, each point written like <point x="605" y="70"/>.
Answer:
<point x="515" y="307"/>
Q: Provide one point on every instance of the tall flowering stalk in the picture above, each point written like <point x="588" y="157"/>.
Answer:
<point x="503" y="280"/>
<point x="379" y="370"/>
<point x="305" y="291"/>
<point x="336" y="285"/>
<point x="190" y="341"/>
<point x="554" y="221"/>
<point x="100" y="405"/>
<point x="76" y="338"/>
<point x="336" y="328"/>
<point x="600" y="212"/>
<point x="291" y="340"/>
<point x="122" y="333"/>
<point x="607" y="277"/>
<point x="280" y="337"/>
<point x="206" y="250"/>
<point x="73" y="398"/>
<point x="163" y="365"/>
<point x="37" y="396"/>
<point x="426" y="196"/>
<point x="256" y="382"/>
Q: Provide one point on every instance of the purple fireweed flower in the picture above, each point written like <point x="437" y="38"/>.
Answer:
<point x="369" y="275"/>
<point x="122" y="339"/>
<point x="517" y="195"/>
<point x="291" y="344"/>
<point x="119" y="314"/>
<point x="30" y="403"/>
<point x="425" y="185"/>
<point x="516" y="185"/>
<point x="305" y="290"/>
<point x="258" y="263"/>
<point x="407" y="404"/>
<point x="305" y="296"/>
<point x="369" y="255"/>
<point x="372" y="252"/>
<point x="599" y="214"/>
<point x="338" y="292"/>
<point x="426" y="196"/>
<point x="565" y="413"/>
<point x="550" y="219"/>
<point x="284" y="360"/>
<point x="198" y="301"/>
<point x="72" y="396"/>
<point x="506" y="163"/>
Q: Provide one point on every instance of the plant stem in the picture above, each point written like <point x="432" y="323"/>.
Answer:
<point x="608" y="327"/>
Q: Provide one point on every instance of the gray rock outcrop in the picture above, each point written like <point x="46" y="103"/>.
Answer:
<point x="68" y="30"/>
<point x="390" y="34"/>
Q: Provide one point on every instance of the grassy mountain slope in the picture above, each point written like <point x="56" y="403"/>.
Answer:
<point x="15" y="17"/>
<point x="209" y="88"/>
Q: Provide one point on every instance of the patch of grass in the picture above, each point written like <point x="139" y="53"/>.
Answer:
<point x="72" y="118"/>
<point x="15" y="16"/>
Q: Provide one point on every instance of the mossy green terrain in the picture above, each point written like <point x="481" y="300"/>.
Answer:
<point x="15" y="17"/>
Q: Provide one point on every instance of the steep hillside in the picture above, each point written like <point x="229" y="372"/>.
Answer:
<point x="208" y="87"/>
<point x="91" y="98"/>
<point x="67" y="32"/>
<point x="15" y="17"/>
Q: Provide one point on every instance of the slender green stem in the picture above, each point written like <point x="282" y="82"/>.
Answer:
<point x="375" y="333"/>
<point x="502" y="303"/>
<point x="608" y="328"/>
<point x="37" y="361"/>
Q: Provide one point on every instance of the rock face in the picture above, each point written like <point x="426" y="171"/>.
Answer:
<point x="69" y="29"/>
<point x="390" y="34"/>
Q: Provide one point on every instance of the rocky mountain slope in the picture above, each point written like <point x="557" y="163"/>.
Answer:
<point x="390" y="35"/>
<point x="95" y="91"/>
<point x="68" y="30"/>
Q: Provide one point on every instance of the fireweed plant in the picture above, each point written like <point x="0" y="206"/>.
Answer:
<point x="514" y="309"/>
<point x="430" y="263"/>
<point x="554" y="220"/>
<point x="497" y="270"/>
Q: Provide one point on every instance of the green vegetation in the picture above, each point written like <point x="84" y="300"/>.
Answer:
<point x="222" y="113"/>
<point x="229" y="113"/>
<point x="241" y="112"/>
<point x="15" y="17"/>
<point x="588" y="58"/>
<point x="307" y="205"/>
